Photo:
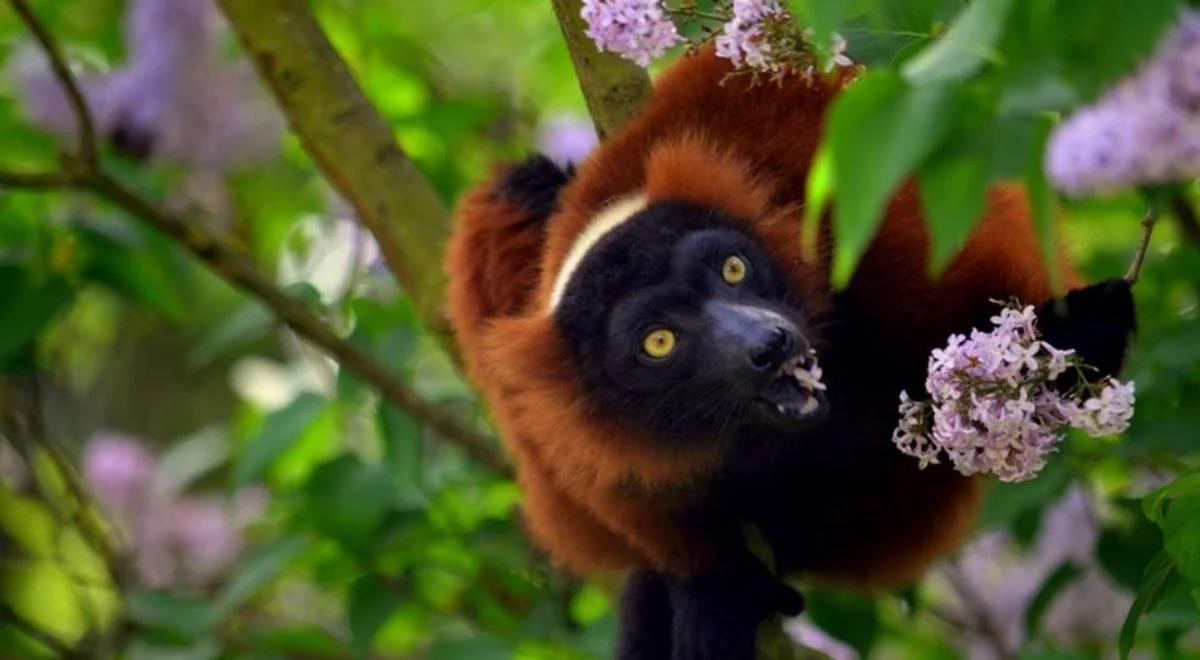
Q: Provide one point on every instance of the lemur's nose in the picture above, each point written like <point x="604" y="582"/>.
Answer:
<point x="775" y="347"/>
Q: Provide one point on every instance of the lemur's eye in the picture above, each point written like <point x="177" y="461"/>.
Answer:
<point x="733" y="270"/>
<point x="659" y="343"/>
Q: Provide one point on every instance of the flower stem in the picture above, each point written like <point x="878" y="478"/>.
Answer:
<point x="1135" y="268"/>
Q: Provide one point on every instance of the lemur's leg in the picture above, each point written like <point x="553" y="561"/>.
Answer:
<point x="645" y="618"/>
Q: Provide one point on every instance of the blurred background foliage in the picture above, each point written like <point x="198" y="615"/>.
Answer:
<point x="265" y="503"/>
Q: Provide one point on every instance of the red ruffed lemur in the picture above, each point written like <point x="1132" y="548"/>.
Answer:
<point x="642" y="328"/>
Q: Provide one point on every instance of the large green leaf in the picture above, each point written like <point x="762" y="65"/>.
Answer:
<point x="968" y="45"/>
<point x="1042" y="204"/>
<point x="278" y="432"/>
<point x="369" y="604"/>
<point x="1154" y="504"/>
<point x="133" y="268"/>
<point x="348" y="500"/>
<point x="258" y="570"/>
<point x="880" y="129"/>
<point x="29" y="304"/>
<point x="953" y="193"/>
<point x="186" y="616"/>
<point x="1050" y="589"/>
<point x="1181" y="534"/>
<point x="1155" y="579"/>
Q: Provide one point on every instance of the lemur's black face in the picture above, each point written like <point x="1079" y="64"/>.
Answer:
<point x="683" y="323"/>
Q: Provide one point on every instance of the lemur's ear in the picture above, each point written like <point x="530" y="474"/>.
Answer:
<point x="1096" y="321"/>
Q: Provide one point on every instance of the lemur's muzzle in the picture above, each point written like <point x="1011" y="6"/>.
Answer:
<point x="766" y="356"/>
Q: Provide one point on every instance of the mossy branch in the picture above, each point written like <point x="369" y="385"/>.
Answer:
<point x="351" y="143"/>
<point x="614" y="88"/>
<point x="83" y="171"/>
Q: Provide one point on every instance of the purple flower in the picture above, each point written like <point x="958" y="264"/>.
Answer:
<point x="1146" y="130"/>
<point x="743" y="40"/>
<point x="174" y="98"/>
<point x="566" y="139"/>
<point x="993" y="407"/>
<point x="120" y="470"/>
<point x="637" y="30"/>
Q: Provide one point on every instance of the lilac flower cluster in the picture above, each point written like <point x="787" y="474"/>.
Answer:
<point x="993" y="408"/>
<point x="638" y="30"/>
<point x="1144" y="131"/>
<point x="175" y="97"/>
<point x="743" y="41"/>
<point x="177" y="539"/>
<point x="756" y="35"/>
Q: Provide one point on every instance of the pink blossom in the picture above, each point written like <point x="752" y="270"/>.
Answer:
<point x="120" y="470"/>
<point x="637" y="30"/>
<point x="743" y="40"/>
<point x="993" y="407"/>
<point x="566" y="139"/>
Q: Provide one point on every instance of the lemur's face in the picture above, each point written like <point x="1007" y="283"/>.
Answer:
<point x="683" y="323"/>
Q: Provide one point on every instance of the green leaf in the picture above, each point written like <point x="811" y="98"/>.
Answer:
<point x="965" y="48"/>
<point x="1054" y="584"/>
<point x="348" y="500"/>
<point x="1125" y="548"/>
<point x="1005" y="503"/>
<point x="818" y="192"/>
<point x="132" y="269"/>
<point x="29" y="304"/>
<point x="1181" y="534"/>
<point x="401" y="435"/>
<point x="244" y="326"/>
<point x="953" y="194"/>
<point x="880" y="129"/>
<point x="279" y="430"/>
<point x="185" y="616"/>
<point x="258" y="570"/>
<point x="850" y="617"/>
<point x="1042" y="204"/>
<point x="369" y="605"/>
<point x="1155" y="579"/>
<point x="1154" y="504"/>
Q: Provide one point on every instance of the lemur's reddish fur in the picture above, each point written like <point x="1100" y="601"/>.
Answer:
<point x="598" y="494"/>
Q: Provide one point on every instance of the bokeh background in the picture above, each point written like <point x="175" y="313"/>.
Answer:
<point x="264" y="503"/>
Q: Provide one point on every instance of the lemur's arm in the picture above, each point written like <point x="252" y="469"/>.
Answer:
<point x="1096" y="321"/>
<point x="494" y="254"/>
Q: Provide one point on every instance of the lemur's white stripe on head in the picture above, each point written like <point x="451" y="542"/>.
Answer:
<point x="611" y="217"/>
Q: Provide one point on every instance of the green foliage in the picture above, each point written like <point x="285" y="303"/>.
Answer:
<point x="379" y="539"/>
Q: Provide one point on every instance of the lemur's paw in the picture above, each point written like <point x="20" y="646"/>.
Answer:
<point x="1096" y="321"/>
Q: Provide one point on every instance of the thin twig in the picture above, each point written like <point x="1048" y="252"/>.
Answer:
<point x="84" y="172"/>
<point x="1135" y="268"/>
<point x="38" y="180"/>
<point x="62" y="71"/>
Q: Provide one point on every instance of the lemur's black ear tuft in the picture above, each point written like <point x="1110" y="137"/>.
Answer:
<point x="534" y="184"/>
<point x="1097" y="321"/>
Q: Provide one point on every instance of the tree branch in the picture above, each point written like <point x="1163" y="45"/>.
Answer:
<point x="351" y="143"/>
<point x="614" y="88"/>
<point x="87" y="128"/>
<point x="236" y="268"/>
<point x="239" y="270"/>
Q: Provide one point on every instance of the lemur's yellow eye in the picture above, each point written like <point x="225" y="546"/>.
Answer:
<point x="733" y="270"/>
<point x="659" y="343"/>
